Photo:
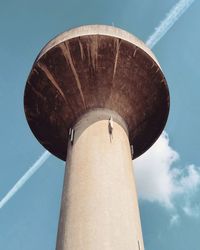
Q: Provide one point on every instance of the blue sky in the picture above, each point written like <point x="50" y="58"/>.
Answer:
<point x="168" y="175"/>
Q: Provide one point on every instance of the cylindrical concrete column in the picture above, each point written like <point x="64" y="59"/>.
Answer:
<point x="99" y="208"/>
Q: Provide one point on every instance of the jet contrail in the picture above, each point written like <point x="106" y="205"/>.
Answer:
<point x="25" y="178"/>
<point x="174" y="14"/>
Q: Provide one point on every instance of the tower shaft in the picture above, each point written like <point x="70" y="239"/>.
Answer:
<point x="99" y="209"/>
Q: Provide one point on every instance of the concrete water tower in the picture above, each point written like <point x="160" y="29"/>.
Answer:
<point x="97" y="98"/>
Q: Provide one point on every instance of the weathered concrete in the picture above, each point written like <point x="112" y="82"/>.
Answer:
<point x="99" y="208"/>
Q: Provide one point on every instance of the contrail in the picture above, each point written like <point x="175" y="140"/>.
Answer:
<point x="25" y="178"/>
<point x="174" y="14"/>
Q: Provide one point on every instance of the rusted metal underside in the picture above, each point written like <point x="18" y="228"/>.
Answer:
<point x="95" y="71"/>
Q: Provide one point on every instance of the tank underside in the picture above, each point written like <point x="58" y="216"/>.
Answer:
<point x="93" y="71"/>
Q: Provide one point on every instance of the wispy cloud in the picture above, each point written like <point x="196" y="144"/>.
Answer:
<point x="191" y="210"/>
<point x="24" y="178"/>
<point x="174" y="219"/>
<point x="191" y="181"/>
<point x="174" y="14"/>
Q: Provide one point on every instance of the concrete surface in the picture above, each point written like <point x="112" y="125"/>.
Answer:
<point x="99" y="208"/>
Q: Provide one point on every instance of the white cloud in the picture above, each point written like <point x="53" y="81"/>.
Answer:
<point x="174" y="219"/>
<point x="191" y="181"/>
<point x="192" y="211"/>
<point x="153" y="172"/>
<point x="158" y="181"/>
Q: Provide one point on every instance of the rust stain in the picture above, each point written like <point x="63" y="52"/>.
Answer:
<point x="51" y="79"/>
<point x="134" y="53"/>
<point x="81" y="49"/>
<point x="36" y="91"/>
<point x="35" y="71"/>
<point x="88" y="54"/>
<point x="94" y="52"/>
<point x="117" y="42"/>
<point x="66" y="52"/>
<point x="163" y="81"/>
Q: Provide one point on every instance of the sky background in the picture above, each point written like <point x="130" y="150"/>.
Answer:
<point x="168" y="175"/>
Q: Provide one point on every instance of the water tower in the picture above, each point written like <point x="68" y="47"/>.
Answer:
<point x="97" y="98"/>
